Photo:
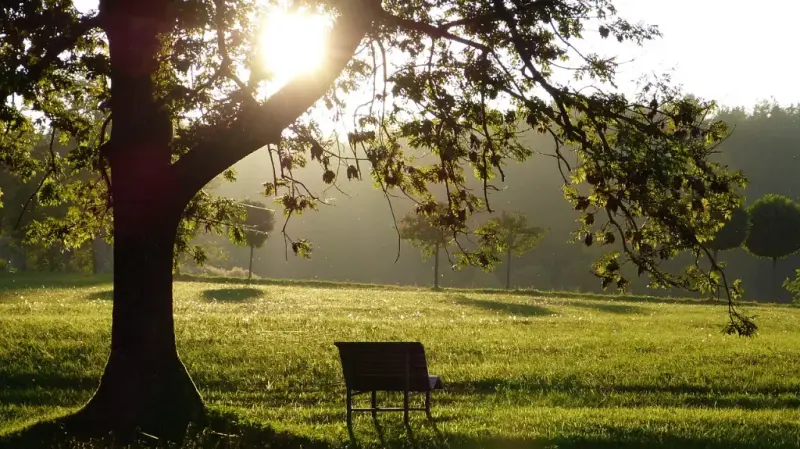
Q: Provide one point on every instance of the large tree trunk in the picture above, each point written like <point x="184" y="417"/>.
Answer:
<point x="144" y="385"/>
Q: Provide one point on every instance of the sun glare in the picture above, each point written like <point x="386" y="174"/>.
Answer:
<point x="293" y="43"/>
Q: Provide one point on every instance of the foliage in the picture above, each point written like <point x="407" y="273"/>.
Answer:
<point x="513" y="233"/>
<point x="774" y="227"/>
<point x="260" y="222"/>
<point x="508" y="362"/>
<point x="215" y="249"/>
<point x="793" y="286"/>
<point x="555" y="263"/>
<point x="474" y="68"/>
<point x="424" y="233"/>
<point x="733" y="233"/>
<point x="212" y="215"/>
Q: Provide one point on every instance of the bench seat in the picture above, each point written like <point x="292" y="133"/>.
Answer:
<point x="369" y="367"/>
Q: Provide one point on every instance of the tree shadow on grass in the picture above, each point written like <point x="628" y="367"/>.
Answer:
<point x="232" y="294"/>
<point x="619" y="309"/>
<point x="428" y="436"/>
<point x="307" y="283"/>
<point x="103" y="295"/>
<point x="615" y="438"/>
<point x="580" y="394"/>
<point x="11" y="380"/>
<point x="513" y="308"/>
<point x="225" y="430"/>
<point x="21" y="281"/>
<point x="526" y="292"/>
<point x="220" y="431"/>
<point x="560" y="294"/>
<point x="56" y="397"/>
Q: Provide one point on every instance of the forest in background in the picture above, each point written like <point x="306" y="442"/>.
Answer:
<point x="354" y="238"/>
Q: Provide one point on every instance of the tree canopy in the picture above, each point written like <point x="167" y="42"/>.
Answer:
<point x="260" y="222"/>
<point x="514" y="234"/>
<point x="157" y="98"/>
<point x="774" y="227"/>
<point x="733" y="233"/>
<point x="423" y="233"/>
<point x="482" y="63"/>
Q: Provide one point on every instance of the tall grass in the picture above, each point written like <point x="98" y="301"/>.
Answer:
<point x="521" y="370"/>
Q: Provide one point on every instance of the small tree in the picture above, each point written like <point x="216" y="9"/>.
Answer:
<point x="774" y="229"/>
<point x="259" y="223"/>
<point x="515" y="237"/>
<point x="423" y="233"/>
<point x="733" y="233"/>
<point x="793" y="286"/>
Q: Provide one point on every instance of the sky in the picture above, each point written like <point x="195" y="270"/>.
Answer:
<point x="729" y="51"/>
<point x="735" y="52"/>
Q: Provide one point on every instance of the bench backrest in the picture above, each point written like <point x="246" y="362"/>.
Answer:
<point x="384" y="366"/>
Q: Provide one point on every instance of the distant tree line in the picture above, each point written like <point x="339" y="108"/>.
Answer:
<point x="358" y="241"/>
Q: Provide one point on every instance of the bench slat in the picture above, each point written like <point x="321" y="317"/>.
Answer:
<point x="381" y="366"/>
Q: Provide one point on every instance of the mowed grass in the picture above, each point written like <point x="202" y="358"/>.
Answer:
<point x="521" y="371"/>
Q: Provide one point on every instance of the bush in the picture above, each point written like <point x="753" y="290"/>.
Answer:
<point x="235" y="272"/>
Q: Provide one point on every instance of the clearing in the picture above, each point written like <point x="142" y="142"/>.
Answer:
<point x="525" y="370"/>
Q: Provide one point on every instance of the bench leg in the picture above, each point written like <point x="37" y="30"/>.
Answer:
<point x="374" y="404"/>
<point x="405" y="406"/>
<point x="428" y="404"/>
<point x="349" y="409"/>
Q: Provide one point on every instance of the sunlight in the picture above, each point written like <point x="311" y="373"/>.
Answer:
<point x="293" y="43"/>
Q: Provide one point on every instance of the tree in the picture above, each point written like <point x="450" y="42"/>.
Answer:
<point x="774" y="229"/>
<point x="259" y="224"/>
<point x="423" y="233"/>
<point x="733" y="233"/>
<point x="156" y="98"/>
<point x="793" y="286"/>
<point x="516" y="237"/>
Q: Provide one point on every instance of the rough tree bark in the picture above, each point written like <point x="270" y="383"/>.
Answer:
<point x="144" y="385"/>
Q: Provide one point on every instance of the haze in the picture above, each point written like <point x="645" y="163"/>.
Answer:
<point x="715" y="48"/>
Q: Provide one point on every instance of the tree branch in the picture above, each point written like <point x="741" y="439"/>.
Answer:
<point x="431" y="30"/>
<point x="494" y="15"/>
<point x="262" y="125"/>
<point x="50" y="171"/>
<point x="56" y="46"/>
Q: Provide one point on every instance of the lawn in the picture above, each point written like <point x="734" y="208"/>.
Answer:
<point x="535" y="370"/>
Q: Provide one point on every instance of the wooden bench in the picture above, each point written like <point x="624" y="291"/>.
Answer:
<point x="370" y="367"/>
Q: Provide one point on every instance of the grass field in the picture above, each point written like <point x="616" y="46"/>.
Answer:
<point x="522" y="371"/>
